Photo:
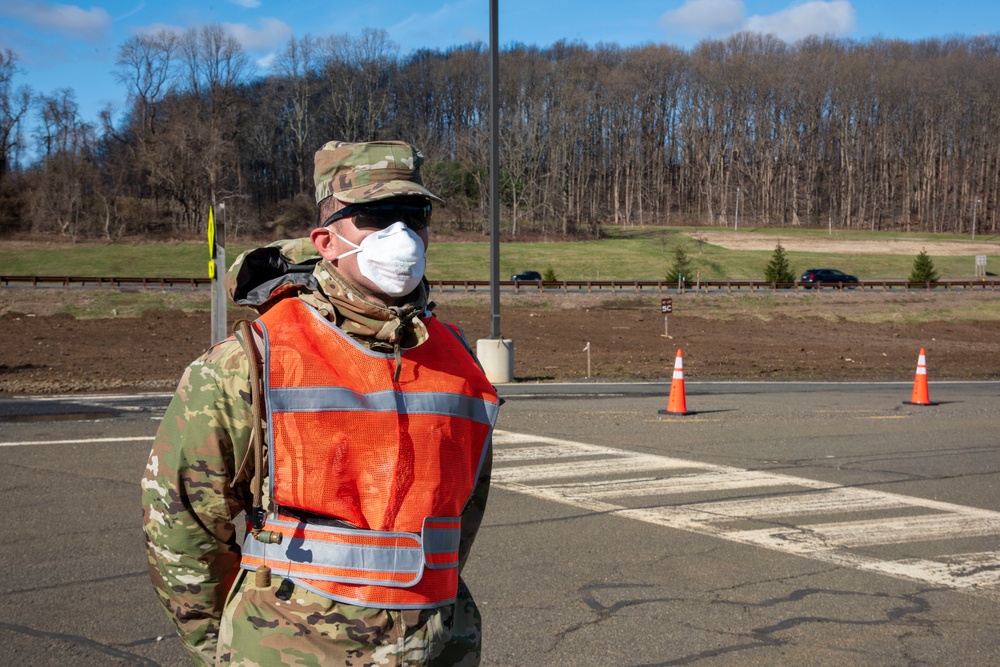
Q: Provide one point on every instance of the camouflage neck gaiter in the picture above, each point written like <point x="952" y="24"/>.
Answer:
<point x="384" y="327"/>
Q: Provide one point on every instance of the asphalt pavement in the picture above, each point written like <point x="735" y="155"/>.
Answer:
<point x="779" y="524"/>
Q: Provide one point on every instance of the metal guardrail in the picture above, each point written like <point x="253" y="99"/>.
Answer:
<point x="87" y="281"/>
<point x="728" y="286"/>
<point x="568" y="286"/>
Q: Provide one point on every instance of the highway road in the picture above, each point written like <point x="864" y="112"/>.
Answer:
<point x="780" y="524"/>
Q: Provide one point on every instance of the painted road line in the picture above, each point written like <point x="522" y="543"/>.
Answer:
<point x="715" y="480"/>
<point x="508" y="438"/>
<point x="833" y="500"/>
<point x="551" y="452"/>
<point x="27" y="443"/>
<point x="612" y="465"/>
<point x="846" y="542"/>
<point x="948" y="570"/>
<point x="950" y="526"/>
<point x="964" y="570"/>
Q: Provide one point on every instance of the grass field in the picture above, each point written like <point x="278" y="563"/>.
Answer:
<point x="638" y="253"/>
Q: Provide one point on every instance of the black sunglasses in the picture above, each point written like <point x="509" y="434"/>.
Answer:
<point x="381" y="215"/>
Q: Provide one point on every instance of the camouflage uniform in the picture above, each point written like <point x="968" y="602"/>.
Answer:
<point x="194" y="489"/>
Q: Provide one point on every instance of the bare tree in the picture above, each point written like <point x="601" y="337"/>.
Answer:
<point x="358" y="72"/>
<point x="297" y="67"/>
<point x="216" y="68"/>
<point x="877" y="134"/>
<point x="14" y="106"/>
<point x="144" y="65"/>
<point x="64" y="191"/>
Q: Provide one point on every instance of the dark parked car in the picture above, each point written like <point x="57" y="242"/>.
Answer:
<point x="826" y="276"/>
<point x="527" y="277"/>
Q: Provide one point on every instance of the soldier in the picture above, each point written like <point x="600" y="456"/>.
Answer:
<point x="365" y="491"/>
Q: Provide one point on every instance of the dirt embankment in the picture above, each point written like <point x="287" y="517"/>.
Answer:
<point x="854" y="336"/>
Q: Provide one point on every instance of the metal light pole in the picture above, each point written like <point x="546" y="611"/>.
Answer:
<point x="494" y="173"/>
<point x="736" y="225"/>
<point x="496" y="354"/>
<point x="975" y="206"/>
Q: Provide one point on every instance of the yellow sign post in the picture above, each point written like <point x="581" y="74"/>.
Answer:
<point x="211" y="243"/>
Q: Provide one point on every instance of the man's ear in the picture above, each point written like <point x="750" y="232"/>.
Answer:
<point x="323" y="239"/>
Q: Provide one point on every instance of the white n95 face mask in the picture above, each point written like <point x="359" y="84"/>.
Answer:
<point x="392" y="258"/>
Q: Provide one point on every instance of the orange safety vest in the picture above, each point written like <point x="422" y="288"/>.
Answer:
<point x="391" y="463"/>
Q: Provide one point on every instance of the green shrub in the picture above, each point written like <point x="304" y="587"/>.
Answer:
<point x="681" y="266"/>
<point x="778" y="270"/>
<point x="923" y="269"/>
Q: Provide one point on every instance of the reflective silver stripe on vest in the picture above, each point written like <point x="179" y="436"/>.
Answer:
<point x="442" y="540"/>
<point x="366" y="558"/>
<point x="323" y="399"/>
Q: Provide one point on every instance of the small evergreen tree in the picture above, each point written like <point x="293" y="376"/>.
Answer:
<point x="778" y="270"/>
<point x="550" y="275"/>
<point x="681" y="267"/>
<point x="923" y="269"/>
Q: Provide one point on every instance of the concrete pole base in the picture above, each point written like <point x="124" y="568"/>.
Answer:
<point x="497" y="359"/>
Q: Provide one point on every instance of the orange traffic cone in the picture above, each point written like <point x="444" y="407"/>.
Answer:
<point x="920" y="396"/>
<point x="676" y="403"/>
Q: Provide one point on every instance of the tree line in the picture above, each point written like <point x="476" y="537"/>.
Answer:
<point x="876" y="134"/>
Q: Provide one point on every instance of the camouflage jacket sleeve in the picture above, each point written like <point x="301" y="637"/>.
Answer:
<point x="188" y="501"/>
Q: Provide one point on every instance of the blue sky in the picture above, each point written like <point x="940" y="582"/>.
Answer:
<point x="70" y="45"/>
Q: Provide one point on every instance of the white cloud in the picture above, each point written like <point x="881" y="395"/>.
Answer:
<point x="718" y="18"/>
<point x="265" y="62"/>
<point x="271" y="34"/>
<point x="706" y="17"/>
<point x="91" y="24"/>
<point x="812" y="18"/>
<point x="249" y="4"/>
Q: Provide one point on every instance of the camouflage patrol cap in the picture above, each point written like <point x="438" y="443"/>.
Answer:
<point x="366" y="172"/>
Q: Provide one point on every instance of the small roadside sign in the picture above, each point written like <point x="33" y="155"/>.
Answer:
<point x="666" y="307"/>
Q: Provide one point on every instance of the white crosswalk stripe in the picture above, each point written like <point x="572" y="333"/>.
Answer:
<point x="616" y="465"/>
<point x="794" y="515"/>
<point x="715" y="480"/>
